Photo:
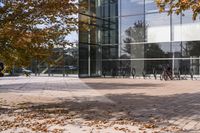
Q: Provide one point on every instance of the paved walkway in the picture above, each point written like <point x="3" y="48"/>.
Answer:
<point x="98" y="105"/>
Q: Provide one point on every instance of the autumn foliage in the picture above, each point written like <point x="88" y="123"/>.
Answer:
<point x="29" y="29"/>
<point x="179" y="6"/>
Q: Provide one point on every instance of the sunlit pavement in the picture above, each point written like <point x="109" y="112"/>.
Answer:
<point x="69" y="104"/>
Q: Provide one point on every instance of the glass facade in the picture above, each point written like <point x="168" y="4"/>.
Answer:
<point x="119" y="36"/>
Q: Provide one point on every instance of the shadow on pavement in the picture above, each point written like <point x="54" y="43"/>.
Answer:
<point x="137" y="107"/>
<point x="103" y="86"/>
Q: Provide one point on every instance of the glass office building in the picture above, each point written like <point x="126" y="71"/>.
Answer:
<point x="119" y="36"/>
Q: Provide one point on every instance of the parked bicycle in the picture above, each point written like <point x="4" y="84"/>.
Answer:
<point x="166" y="74"/>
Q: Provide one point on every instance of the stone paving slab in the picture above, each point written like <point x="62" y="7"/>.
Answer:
<point x="173" y="106"/>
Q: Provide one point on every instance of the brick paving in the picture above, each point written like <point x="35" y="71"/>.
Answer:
<point x="169" y="103"/>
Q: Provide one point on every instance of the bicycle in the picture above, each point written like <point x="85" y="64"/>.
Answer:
<point x="166" y="75"/>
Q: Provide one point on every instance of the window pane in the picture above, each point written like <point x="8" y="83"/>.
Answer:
<point x="150" y="6"/>
<point x="157" y="27"/>
<point x="146" y="66"/>
<point x="154" y="50"/>
<point x="108" y="8"/>
<point x="187" y="66"/>
<point x="190" y="29"/>
<point x="132" y="29"/>
<point x="95" y="57"/>
<point x="132" y="7"/>
<point x="84" y="6"/>
<point x="187" y="49"/>
<point x="176" y="27"/>
<point x="83" y="52"/>
<point x="110" y="52"/>
<point x="109" y="33"/>
<point x="110" y="68"/>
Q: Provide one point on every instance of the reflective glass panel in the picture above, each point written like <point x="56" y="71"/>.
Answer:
<point x="186" y="49"/>
<point x="153" y="50"/>
<point x="176" y="27"/>
<point x="157" y="27"/>
<point x="132" y="29"/>
<point x="150" y="6"/>
<point x="190" y="29"/>
<point x="132" y="7"/>
<point x="144" y="66"/>
<point x="110" y="68"/>
<point x="110" y="52"/>
<point x="187" y="66"/>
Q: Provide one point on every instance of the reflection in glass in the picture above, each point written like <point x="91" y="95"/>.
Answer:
<point x="150" y="6"/>
<point x="132" y="29"/>
<point x="83" y="6"/>
<point x="83" y="68"/>
<point x="83" y="61"/>
<point x="110" y="52"/>
<point x="148" y="39"/>
<point x="144" y="66"/>
<point x="184" y="28"/>
<point x="110" y="68"/>
<point x="176" y="27"/>
<point x="158" y="27"/>
<point x="95" y="57"/>
<point x="187" y="66"/>
<point x="159" y="50"/>
<point x="156" y="65"/>
<point x="187" y="49"/>
<point x="110" y="31"/>
<point x="132" y="7"/>
<point x="83" y="28"/>
<point x="190" y="30"/>
<point x="151" y="50"/>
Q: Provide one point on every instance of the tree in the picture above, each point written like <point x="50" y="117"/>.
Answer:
<point x="178" y="6"/>
<point x="193" y="48"/>
<point x="134" y="33"/>
<point x="29" y="29"/>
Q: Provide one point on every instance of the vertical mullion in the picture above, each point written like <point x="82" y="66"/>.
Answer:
<point x="119" y="29"/>
<point x="89" y="41"/>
